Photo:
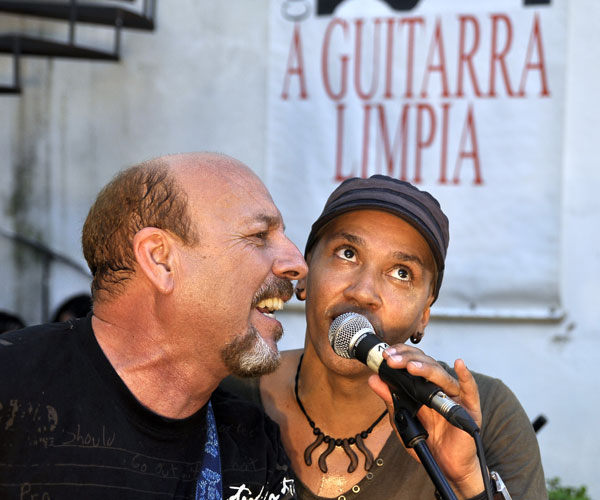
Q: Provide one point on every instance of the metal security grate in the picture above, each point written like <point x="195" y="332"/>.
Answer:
<point x="19" y="45"/>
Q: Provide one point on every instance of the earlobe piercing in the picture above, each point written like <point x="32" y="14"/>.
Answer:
<point x="415" y="338"/>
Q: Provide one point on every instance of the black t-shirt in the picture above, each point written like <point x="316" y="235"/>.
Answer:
<point x="70" y="428"/>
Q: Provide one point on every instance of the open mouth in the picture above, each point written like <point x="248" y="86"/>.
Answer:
<point x="268" y="306"/>
<point x="375" y="323"/>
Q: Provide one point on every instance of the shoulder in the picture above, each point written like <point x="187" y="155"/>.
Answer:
<point x="494" y="394"/>
<point x="510" y="443"/>
<point x="25" y="349"/>
<point x="31" y="335"/>
<point x="42" y="359"/>
<point x="280" y="379"/>
<point x="503" y="416"/>
<point x="277" y="388"/>
<point x="499" y="403"/>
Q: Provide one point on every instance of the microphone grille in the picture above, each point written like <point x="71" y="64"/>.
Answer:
<point x="342" y="331"/>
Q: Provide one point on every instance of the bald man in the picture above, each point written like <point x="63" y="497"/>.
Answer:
<point x="189" y="262"/>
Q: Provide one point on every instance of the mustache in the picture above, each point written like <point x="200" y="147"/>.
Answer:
<point x="274" y="287"/>
<point x="375" y="322"/>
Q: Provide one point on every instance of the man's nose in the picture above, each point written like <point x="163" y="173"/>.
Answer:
<point x="364" y="289"/>
<point x="289" y="262"/>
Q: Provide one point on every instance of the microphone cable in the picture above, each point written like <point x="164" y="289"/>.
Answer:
<point x="483" y="466"/>
<point x="347" y="333"/>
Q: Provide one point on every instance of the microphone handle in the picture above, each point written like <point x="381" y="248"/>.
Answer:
<point x="369" y="349"/>
<point x="424" y="392"/>
<point x="403" y="383"/>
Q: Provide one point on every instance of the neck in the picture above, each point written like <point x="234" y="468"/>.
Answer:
<point x="338" y="398"/>
<point x="168" y="378"/>
<point x="339" y="401"/>
<point x="345" y="442"/>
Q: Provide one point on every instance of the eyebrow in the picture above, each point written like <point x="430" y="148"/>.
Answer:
<point x="408" y="257"/>
<point x="268" y="219"/>
<point x="351" y="238"/>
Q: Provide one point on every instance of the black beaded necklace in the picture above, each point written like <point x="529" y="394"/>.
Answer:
<point x="332" y="442"/>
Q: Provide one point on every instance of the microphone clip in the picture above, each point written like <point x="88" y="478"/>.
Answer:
<point x="407" y="424"/>
<point x="415" y="436"/>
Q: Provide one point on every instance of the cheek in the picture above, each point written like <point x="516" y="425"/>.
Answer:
<point x="244" y="273"/>
<point x="320" y="294"/>
<point x="406" y="309"/>
<point x="328" y="278"/>
<point x="400" y="328"/>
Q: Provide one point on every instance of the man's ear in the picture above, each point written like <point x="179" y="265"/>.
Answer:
<point x="300" y="289"/>
<point x="153" y="252"/>
<point x="424" y="320"/>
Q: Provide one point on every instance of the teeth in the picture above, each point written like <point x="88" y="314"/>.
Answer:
<point x="272" y="304"/>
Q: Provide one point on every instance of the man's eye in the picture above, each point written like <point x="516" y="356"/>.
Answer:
<point x="401" y="273"/>
<point x="262" y="236"/>
<point x="346" y="254"/>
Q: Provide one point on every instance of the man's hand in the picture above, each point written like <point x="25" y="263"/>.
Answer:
<point x="453" y="449"/>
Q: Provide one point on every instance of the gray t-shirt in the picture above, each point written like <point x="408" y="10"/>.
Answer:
<point x="509" y="442"/>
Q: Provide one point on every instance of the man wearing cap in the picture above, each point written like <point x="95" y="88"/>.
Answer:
<point x="378" y="249"/>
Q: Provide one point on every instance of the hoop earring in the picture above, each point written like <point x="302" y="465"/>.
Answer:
<point x="415" y="338"/>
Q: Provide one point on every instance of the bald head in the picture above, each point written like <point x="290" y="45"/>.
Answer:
<point x="154" y="194"/>
<point x="205" y="162"/>
<point x="213" y="175"/>
<point x="216" y="181"/>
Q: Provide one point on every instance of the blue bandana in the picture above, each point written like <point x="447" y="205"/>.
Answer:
<point x="210" y="484"/>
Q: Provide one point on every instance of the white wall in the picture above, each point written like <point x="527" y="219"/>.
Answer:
<point x="198" y="83"/>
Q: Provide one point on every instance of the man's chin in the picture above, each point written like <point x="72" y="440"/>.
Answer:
<point x="252" y="355"/>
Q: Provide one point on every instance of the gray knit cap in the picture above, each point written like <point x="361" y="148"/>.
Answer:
<point x="380" y="192"/>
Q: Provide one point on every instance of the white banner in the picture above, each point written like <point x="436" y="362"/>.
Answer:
<point x="462" y="98"/>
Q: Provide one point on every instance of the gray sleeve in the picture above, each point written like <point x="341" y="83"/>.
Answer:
<point x="510" y="443"/>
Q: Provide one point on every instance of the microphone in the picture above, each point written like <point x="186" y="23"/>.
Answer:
<point x="352" y="336"/>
